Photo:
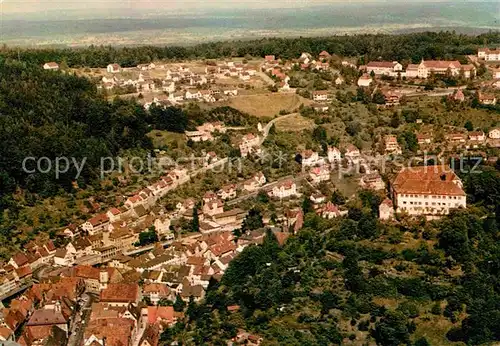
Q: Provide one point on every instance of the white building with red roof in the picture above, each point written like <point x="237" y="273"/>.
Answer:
<point x="428" y="190"/>
<point x="285" y="189"/>
<point x="51" y="66"/>
<point x="319" y="174"/>
<point x="113" y="68"/>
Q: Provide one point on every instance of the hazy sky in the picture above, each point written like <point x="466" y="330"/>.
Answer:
<point x="31" y="6"/>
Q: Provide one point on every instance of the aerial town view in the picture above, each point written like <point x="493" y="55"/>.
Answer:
<point x="331" y="189"/>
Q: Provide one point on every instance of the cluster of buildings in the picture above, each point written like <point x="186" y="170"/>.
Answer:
<point x="424" y="70"/>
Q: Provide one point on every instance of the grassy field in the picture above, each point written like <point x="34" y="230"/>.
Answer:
<point x="267" y="105"/>
<point x="294" y="123"/>
<point x="164" y="138"/>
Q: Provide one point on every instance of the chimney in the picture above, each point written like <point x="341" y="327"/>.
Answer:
<point x="443" y="177"/>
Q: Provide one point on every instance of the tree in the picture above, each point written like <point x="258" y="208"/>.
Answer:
<point x="391" y="330"/>
<point x="307" y="206"/>
<point x="171" y="119"/>
<point x="253" y="220"/>
<point x="408" y="140"/>
<point x="179" y="304"/>
<point x="319" y="134"/>
<point x="338" y="198"/>
<point x="378" y="97"/>
<point x="148" y="237"/>
<point x="196" y="220"/>
<point x="468" y="125"/>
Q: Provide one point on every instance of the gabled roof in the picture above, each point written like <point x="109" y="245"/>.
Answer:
<point x="120" y="293"/>
<point x="20" y="259"/>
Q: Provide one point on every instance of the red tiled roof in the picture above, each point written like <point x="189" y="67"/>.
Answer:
<point x="442" y="64"/>
<point x="115" y="211"/>
<point x="160" y="314"/>
<point x="23" y="271"/>
<point x="381" y="64"/>
<point x="431" y="180"/>
<point x="20" y="258"/>
<point x="120" y="293"/>
<point x="99" y="219"/>
<point x="86" y="272"/>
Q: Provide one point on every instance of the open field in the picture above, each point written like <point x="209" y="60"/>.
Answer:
<point x="294" y="123"/>
<point x="267" y="105"/>
<point x="165" y="139"/>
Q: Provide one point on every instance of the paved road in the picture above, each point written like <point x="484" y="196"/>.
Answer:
<point x="81" y="319"/>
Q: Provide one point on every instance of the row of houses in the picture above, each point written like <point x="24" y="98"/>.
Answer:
<point x="425" y="69"/>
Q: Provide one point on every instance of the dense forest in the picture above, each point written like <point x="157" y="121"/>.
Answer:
<point x="389" y="283"/>
<point x="406" y="47"/>
<point x="45" y="114"/>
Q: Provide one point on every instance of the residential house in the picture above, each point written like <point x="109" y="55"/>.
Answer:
<point x="392" y="145"/>
<point x="352" y="154"/>
<point x="156" y="291"/>
<point x="489" y="54"/>
<point x="386" y="210"/>
<point x="486" y="99"/>
<point x="324" y="55"/>
<point x="248" y="144"/>
<point x="109" y="331"/>
<point x="207" y="96"/>
<point x="198" y="136"/>
<point x="428" y="190"/>
<point x="329" y="211"/>
<point x="51" y="66"/>
<point x="168" y="86"/>
<point x="477" y="136"/>
<point x="494" y="133"/>
<point x="177" y="96"/>
<point x="64" y="258"/>
<point x="193" y="95"/>
<point x="334" y="155"/>
<point x="284" y="190"/>
<point x="213" y="206"/>
<point x="456" y="137"/>
<point x="309" y="158"/>
<point x="255" y="182"/>
<point x="372" y="181"/>
<point x="384" y="67"/>
<point x="320" y="107"/>
<point x="113" y="68"/>
<point x="424" y="138"/>
<point x="317" y="198"/>
<point x="96" y="224"/>
<point x="320" y="95"/>
<point x="227" y="192"/>
<point x="365" y="80"/>
<point x="113" y="214"/>
<point x="319" y="174"/>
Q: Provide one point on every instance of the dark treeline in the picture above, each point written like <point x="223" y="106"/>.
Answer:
<point x="409" y="47"/>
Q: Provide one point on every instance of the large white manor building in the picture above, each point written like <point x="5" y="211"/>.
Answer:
<point x="428" y="190"/>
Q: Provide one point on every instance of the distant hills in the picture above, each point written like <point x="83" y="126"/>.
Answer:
<point x="129" y="27"/>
